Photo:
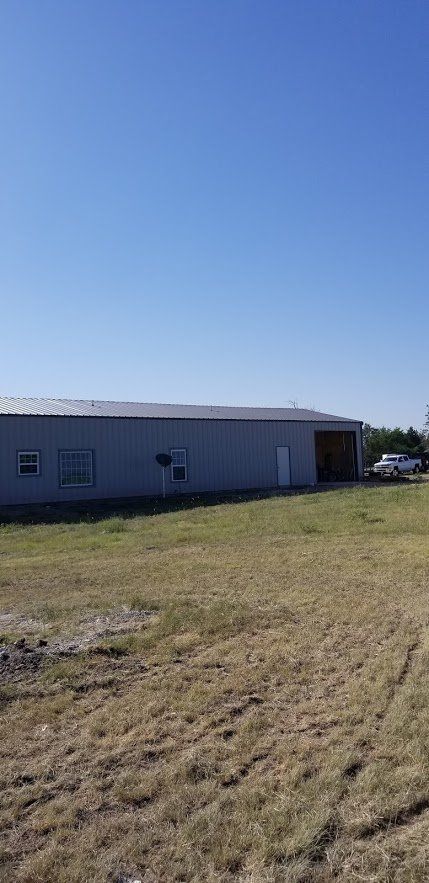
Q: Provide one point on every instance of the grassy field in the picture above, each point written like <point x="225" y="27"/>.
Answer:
<point x="259" y="712"/>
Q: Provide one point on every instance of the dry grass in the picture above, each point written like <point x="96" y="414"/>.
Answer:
<point x="268" y="722"/>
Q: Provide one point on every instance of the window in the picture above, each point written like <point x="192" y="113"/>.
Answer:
<point x="28" y="463"/>
<point x="76" y="469"/>
<point x="179" y="468"/>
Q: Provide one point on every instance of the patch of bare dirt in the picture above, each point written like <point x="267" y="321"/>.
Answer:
<point x="17" y="622"/>
<point x="26" y="655"/>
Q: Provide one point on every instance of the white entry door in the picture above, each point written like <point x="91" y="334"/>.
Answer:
<point x="283" y="467"/>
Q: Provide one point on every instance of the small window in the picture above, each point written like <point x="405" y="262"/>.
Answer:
<point x="76" y="469"/>
<point x="179" y="468"/>
<point x="28" y="463"/>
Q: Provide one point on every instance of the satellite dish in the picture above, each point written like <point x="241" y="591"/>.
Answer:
<point x="164" y="460"/>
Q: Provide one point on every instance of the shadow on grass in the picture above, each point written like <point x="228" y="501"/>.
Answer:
<point x="131" y="507"/>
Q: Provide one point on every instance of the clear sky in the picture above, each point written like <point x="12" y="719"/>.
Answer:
<point x="217" y="201"/>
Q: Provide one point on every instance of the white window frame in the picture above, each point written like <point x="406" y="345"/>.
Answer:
<point x="66" y="485"/>
<point x="19" y="464"/>
<point x="179" y="465"/>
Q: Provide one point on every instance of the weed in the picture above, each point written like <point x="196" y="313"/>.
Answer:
<point x="138" y="602"/>
<point x="310" y="529"/>
<point x="113" y="525"/>
<point x="8" y="637"/>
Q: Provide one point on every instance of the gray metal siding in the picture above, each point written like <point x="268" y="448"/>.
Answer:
<point x="221" y="454"/>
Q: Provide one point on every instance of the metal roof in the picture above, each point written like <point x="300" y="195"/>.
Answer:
<point x="84" y="408"/>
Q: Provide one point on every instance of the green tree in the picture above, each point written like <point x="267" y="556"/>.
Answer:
<point x="381" y="440"/>
<point x="415" y="441"/>
<point x="426" y="432"/>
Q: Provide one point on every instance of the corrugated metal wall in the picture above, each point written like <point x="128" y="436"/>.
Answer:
<point x="222" y="455"/>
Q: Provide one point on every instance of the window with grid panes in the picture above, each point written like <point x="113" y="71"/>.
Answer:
<point x="76" y="468"/>
<point x="28" y="463"/>
<point x="179" y="467"/>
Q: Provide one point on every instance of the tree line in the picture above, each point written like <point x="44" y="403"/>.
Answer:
<point x="381" y="440"/>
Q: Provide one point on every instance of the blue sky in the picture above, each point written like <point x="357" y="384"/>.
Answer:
<point x="217" y="201"/>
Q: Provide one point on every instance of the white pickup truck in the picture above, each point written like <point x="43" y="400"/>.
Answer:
<point x="395" y="464"/>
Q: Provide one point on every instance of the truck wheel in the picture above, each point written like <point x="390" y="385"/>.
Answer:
<point x="416" y="469"/>
<point x="395" y="473"/>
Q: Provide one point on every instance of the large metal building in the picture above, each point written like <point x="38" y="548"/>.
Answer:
<point x="60" y="450"/>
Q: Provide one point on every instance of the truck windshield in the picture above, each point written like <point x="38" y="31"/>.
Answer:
<point x="391" y="459"/>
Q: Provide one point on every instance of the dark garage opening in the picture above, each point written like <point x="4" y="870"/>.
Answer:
<point x="336" y="456"/>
